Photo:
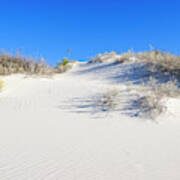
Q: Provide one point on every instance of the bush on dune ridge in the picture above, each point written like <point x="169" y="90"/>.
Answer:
<point x="157" y="61"/>
<point x="161" y="62"/>
<point x="11" y="65"/>
<point x="106" y="57"/>
<point x="17" y="64"/>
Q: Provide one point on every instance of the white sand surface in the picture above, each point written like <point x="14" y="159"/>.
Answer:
<point x="49" y="131"/>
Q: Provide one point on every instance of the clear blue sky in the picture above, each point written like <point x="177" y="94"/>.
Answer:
<point x="49" y="28"/>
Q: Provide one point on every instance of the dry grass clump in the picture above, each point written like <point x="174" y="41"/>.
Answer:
<point x="109" y="100"/>
<point x="147" y="101"/>
<point x="106" y="57"/>
<point x="168" y="89"/>
<point x="152" y="103"/>
<point x="10" y="65"/>
<point x="150" y="106"/>
<point x="161" y="62"/>
<point x="128" y="56"/>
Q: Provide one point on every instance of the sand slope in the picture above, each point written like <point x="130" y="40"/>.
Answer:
<point x="49" y="131"/>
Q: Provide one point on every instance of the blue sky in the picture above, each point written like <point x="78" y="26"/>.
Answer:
<point x="48" y="28"/>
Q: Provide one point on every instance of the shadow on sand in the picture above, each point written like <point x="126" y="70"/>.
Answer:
<point x="134" y="73"/>
<point x="91" y="106"/>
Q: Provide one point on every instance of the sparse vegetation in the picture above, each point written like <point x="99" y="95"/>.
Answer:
<point x="17" y="64"/>
<point x="147" y="101"/>
<point x="12" y="64"/>
<point x="150" y="102"/>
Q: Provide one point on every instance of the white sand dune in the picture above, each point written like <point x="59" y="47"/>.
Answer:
<point x="48" y="131"/>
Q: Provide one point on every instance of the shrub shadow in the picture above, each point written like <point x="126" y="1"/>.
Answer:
<point x="78" y="105"/>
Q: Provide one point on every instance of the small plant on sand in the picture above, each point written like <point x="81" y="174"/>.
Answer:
<point x="149" y="106"/>
<point x="64" y="65"/>
<point x="1" y="84"/>
<point x="64" y="62"/>
<point x="108" y="101"/>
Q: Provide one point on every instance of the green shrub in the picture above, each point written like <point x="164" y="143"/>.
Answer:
<point x="65" y="61"/>
<point x="64" y="66"/>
